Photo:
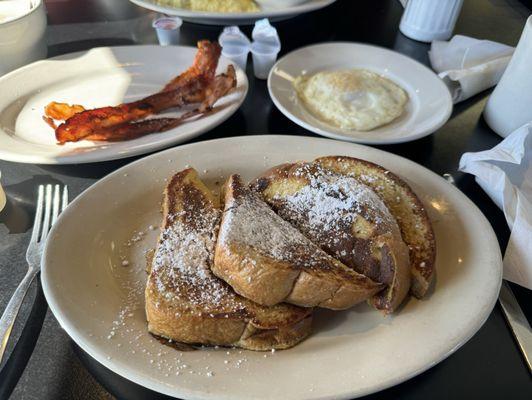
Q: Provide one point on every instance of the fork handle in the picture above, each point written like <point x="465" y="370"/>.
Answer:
<point x="10" y="313"/>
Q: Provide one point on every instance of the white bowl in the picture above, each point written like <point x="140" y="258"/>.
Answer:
<point x="22" y="38"/>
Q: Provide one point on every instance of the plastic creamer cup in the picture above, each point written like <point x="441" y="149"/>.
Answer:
<point x="265" y="48"/>
<point x="235" y="45"/>
<point x="167" y="29"/>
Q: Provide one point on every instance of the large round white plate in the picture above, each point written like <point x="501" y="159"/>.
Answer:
<point x="351" y="353"/>
<point x="429" y="105"/>
<point x="96" y="78"/>
<point x="217" y="18"/>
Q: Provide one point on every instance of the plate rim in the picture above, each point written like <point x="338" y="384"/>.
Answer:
<point x="93" y="157"/>
<point x="338" y="136"/>
<point x="132" y="375"/>
<point x="219" y="16"/>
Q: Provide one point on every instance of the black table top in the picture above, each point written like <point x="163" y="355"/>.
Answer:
<point x="489" y="366"/>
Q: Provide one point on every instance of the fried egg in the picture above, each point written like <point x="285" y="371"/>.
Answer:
<point x="355" y="99"/>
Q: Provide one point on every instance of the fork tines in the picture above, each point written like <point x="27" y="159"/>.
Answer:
<point x="51" y="201"/>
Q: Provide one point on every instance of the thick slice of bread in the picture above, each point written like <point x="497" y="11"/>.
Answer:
<point x="267" y="260"/>
<point x="408" y="210"/>
<point x="346" y="219"/>
<point x="185" y="302"/>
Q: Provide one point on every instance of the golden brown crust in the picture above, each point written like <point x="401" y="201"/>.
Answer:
<point x="177" y="306"/>
<point x="267" y="260"/>
<point x="221" y="331"/>
<point x="408" y="209"/>
<point x="358" y="231"/>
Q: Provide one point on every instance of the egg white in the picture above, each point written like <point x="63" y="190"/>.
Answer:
<point x="355" y="99"/>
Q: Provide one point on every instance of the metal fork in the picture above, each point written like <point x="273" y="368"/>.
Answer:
<point x="50" y="203"/>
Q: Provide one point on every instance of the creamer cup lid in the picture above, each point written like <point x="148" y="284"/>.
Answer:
<point x="233" y="36"/>
<point x="265" y="34"/>
<point x="167" y="23"/>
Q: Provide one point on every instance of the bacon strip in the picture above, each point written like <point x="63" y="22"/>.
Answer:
<point x="197" y="85"/>
<point x="205" y="63"/>
<point x="134" y="130"/>
<point x="86" y="123"/>
<point x="62" y="111"/>
<point x="221" y="86"/>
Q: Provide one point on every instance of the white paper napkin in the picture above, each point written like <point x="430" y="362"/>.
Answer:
<point x="505" y="174"/>
<point x="469" y="66"/>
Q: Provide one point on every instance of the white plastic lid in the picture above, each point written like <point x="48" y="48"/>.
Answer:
<point x="167" y="23"/>
<point x="266" y="35"/>
<point x="232" y="36"/>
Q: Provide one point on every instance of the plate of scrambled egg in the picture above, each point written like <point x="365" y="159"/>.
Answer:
<point x="232" y="12"/>
<point x="359" y="93"/>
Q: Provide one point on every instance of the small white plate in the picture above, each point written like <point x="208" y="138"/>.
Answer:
<point x="429" y="105"/>
<point x="100" y="303"/>
<point x="96" y="78"/>
<point x="217" y="18"/>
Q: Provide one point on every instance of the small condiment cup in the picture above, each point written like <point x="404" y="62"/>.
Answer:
<point x="264" y="48"/>
<point x="235" y="45"/>
<point x="168" y="29"/>
<point x="264" y="57"/>
<point x="238" y="55"/>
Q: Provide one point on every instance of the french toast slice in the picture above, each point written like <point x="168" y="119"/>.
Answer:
<point x="267" y="260"/>
<point x="346" y="219"/>
<point x="407" y="208"/>
<point x="186" y="303"/>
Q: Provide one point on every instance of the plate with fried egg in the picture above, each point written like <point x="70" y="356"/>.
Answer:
<point x="359" y="93"/>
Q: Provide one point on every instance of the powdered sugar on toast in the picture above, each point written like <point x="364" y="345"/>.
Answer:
<point x="339" y="214"/>
<point x="331" y="200"/>
<point x="181" y="263"/>
<point x="249" y="221"/>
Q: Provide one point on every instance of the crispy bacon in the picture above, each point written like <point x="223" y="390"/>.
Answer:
<point x="86" y="123"/>
<point x="50" y="122"/>
<point x="221" y="85"/>
<point x="62" y="111"/>
<point x="134" y="130"/>
<point x="197" y="85"/>
<point x="205" y="63"/>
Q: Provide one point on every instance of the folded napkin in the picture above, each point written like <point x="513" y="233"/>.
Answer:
<point x="469" y="66"/>
<point x="505" y="174"/>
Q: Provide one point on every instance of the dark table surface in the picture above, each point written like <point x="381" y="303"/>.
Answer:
<point x="489" y="366"/>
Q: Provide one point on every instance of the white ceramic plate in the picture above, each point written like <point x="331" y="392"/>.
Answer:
<point x="429" y="105"/>
<point x="99" y="77"/>
<point x="216" y="18"/>
<point x="350" y="353"/>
